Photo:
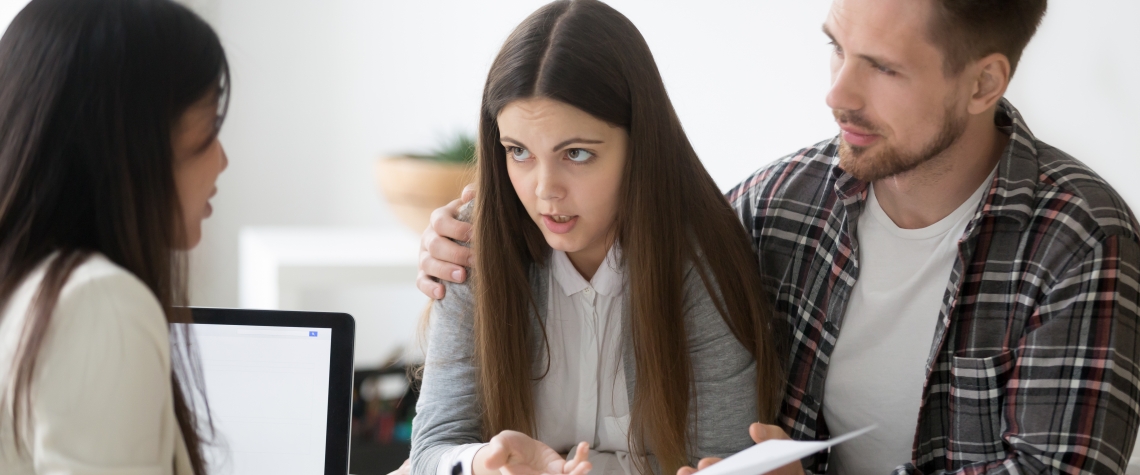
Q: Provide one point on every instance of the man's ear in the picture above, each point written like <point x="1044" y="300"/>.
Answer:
<point x="990" y="76"/>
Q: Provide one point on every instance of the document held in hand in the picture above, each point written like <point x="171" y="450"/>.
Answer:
<point x="767" y="456"/>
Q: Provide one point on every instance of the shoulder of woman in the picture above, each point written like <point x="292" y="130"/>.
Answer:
<point x="102" y="389"/>
<point x="701" y="298"/>
<point x="697" y="280"/>
<point x="101" y="296"/>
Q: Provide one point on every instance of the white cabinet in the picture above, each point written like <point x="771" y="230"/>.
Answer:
<point x="368" y="273"/>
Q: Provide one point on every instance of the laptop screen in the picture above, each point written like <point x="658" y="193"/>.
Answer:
<point x="267" y="389"/>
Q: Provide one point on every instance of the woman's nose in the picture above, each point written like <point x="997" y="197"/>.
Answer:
<point x="548" y="186"/>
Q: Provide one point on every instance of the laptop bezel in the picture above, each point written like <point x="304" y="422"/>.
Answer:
<point x="339" y="416"/>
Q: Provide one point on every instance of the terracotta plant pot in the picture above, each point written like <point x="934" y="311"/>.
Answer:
<point x="415" y="187"/>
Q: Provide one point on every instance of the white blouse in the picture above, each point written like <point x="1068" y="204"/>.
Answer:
<point x="101" y="401"/>
<point x="583" y="398"/>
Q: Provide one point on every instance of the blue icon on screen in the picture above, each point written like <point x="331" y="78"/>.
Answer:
<point x="312" y="333"/>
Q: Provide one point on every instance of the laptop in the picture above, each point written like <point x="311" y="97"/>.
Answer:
<point x="279" y="388"/>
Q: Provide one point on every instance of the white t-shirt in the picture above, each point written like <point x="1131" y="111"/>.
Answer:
<point x="583" y="397"/>
<point x="878" y="367"/>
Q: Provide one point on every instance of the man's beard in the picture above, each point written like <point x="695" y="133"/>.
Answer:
<point x="861" y="163"/>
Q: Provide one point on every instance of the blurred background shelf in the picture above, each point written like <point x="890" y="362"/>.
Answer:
<point x="366" y="272"/>
<point x="382" y="411"/>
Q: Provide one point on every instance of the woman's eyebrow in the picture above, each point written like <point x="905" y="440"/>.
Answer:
<point x="512" y="141"/>
<point x="574" y="141"/>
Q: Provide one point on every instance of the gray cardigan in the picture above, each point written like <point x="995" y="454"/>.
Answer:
<point x="448" y="411"/>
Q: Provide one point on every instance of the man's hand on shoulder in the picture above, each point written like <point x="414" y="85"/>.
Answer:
<point x="440" y="257"/>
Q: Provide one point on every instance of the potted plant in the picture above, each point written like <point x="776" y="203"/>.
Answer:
<point x="416" y="184"/>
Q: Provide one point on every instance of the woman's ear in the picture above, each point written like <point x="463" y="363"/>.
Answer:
<point x="991" y="76"/>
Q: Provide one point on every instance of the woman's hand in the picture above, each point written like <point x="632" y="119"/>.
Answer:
<point x="513" y="453"/>
<point x="760" y="433"/>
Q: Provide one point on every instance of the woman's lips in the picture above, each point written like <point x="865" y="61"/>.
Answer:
<point x="857" y="138"/>
<point x="557" y="227"/>
<point x="209" y="207"/>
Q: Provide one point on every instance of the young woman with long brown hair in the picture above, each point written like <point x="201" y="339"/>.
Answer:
<point x="109" y="117"/>
<point x="613" y="296"/>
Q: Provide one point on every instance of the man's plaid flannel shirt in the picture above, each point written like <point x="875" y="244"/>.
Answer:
<point x="1033" y="367"/>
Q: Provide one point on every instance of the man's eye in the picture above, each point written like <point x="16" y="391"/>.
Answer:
<point x="518" y="154"/>
<point x="885" y="70"/>
<point x="579" y="155"/>
<point x="836" y="48"/>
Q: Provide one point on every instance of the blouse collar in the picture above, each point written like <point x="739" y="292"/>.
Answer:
<point x="608" y="280"/>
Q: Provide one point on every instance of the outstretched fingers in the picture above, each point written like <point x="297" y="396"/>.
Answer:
<point x="497" y="454"/>
<point x="581" y="456"/>
<point x="581" y="469"/>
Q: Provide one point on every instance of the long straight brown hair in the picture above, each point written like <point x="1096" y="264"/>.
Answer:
<point x="90" y="91"/>
<point x="586" y="54"/>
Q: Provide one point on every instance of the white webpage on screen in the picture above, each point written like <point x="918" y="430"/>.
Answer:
<point x="267" y="389"/>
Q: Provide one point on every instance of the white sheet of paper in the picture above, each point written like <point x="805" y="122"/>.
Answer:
<point x="767" y="456"/>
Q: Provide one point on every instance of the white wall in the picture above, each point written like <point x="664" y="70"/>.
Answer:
<point x="322" y="87"/>
<point x="9" y="9"/>
<point x="1078" y="87"/>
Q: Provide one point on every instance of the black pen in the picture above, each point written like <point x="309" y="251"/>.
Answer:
<point x="457" y="469"/>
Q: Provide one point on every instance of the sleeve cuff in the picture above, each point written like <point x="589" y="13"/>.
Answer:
<point x="460" y="454"/>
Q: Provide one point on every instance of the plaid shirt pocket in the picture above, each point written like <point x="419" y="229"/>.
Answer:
<point x="977" y="393"/>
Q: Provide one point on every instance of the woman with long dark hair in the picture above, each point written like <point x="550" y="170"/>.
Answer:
<point x="612" y="298"/>
<point x="109" y="117"/>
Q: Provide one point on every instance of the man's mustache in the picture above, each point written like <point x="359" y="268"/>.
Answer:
<point x="854" y="118"/>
